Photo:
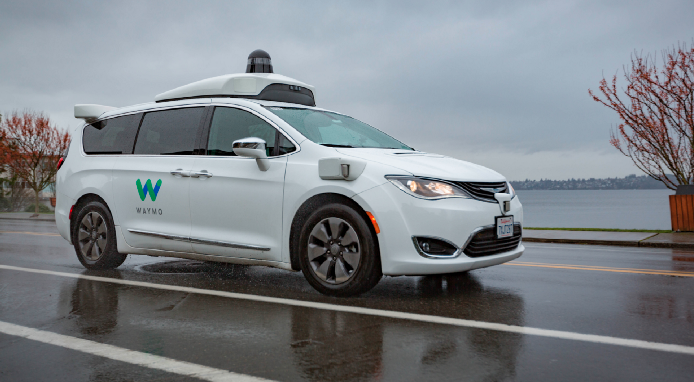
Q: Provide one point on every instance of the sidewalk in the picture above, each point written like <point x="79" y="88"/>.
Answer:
<point x="26" y="216"/>
<point x="631" y="239"/>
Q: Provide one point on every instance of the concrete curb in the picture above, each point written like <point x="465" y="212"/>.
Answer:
<point x="621" y="243"/>
<point x="40" y="218"/>
<point x="587" y="242"/>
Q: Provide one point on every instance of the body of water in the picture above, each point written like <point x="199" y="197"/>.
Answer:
<point x="624" y="209"/>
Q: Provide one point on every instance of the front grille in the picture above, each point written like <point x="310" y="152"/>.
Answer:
<point x="484" y="190"/>
<point x="485" y="243"/>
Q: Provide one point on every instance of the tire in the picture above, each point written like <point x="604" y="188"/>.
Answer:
<point x="94" y="237"/>
<point x="355" y="268"/>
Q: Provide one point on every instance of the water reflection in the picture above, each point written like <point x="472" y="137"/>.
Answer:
<point x="655" y="301"/>
<point x="682" y="260"/>
<point x="349" y="347"/>
<point x="457" y="283"/>
<point x="212" y="269"/>
<point x="463" y="295"/>
<point x="313" y="344"/>
<point x="95" y="305"/>
<point x="666" y="306"/>
<point x="497" y="350"/>
<point x="333" y="346"/>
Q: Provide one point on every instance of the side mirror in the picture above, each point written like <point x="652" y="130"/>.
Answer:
<point x="252" y="148"/>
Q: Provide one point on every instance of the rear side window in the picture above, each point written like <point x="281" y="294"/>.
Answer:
<point x="229" y="125"/>
<point x="111" y="136"/>
<point x="169" y="132"/>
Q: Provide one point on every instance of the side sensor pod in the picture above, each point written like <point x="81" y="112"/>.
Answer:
<point x="345" y="170"/>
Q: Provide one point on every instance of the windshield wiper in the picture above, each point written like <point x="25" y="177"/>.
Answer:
<point x="334" y="145"/>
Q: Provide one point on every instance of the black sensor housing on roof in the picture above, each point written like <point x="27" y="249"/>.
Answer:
<point x="259" y="61"/>
<point x="287" y="93"/>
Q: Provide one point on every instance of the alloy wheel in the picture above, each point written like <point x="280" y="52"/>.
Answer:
<point x="334" y="251"/>
<point x="92" y="236"/>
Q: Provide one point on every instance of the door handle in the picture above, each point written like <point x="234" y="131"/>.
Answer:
<point x="180" y="173"/>
<point x="201" y="174"/>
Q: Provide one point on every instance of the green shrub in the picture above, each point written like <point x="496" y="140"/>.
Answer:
<point x="42" y="208"/>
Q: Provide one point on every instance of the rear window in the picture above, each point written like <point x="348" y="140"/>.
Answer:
<point x="111" y="136"/>
<point x="169" y="132"/>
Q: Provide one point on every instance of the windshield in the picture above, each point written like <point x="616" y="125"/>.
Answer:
<point x="336" y="130"/>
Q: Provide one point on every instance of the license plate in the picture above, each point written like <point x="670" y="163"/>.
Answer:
<point x="504" y="226"/>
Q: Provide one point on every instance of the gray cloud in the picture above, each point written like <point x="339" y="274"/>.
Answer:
<point x="500" y="83"/>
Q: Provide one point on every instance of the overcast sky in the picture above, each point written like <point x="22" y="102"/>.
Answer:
<point x="500" y="83"/>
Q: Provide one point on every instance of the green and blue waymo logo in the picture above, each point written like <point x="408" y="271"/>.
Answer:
<point x="153" y="191"/>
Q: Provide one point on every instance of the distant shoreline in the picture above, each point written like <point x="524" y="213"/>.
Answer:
<point x="630" y="182"/>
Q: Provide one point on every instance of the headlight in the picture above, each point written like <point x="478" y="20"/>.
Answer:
<point x="510" y="189"/>
<point x="427" y="188"/>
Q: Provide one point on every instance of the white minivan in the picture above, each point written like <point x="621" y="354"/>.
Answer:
<point x="245" y="169"/>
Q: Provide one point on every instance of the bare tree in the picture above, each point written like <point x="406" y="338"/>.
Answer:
<point x="657" y="114"/>
<point x="19" y="197"/>
<point x="31" y="146"/>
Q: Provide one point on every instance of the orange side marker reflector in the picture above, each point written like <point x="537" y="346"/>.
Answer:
<point x="373" y="221"/>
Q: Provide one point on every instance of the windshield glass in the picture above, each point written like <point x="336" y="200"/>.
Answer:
<point x="336" y="130"/>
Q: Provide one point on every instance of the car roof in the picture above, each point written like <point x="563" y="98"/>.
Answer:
<point x="150" y="106"/>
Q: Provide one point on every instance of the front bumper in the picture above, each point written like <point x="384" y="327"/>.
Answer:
<point x="401" y="216"/>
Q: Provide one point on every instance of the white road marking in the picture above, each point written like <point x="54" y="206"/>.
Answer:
<point x="125" y="355"/>
<point x="639" y="344"/>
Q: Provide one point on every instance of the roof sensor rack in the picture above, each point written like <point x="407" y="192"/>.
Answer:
<point x="259" y="82"/>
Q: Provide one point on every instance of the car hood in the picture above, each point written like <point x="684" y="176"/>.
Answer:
<point x="426" y="164"/>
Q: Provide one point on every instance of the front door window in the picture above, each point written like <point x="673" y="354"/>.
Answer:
<point x="229" y="125"/>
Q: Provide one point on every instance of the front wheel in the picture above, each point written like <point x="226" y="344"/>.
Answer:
<point x="94" y="238"/>
<point x="338" y="253"/>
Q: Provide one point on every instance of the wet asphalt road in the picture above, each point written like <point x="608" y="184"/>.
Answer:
<point x="634" y="293"/>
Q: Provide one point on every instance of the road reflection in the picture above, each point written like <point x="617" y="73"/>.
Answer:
<point x="95" y="305"/>
<point x="682" y="259"/>
<point x="310" y="344"/>
<point x="459" y="352"/>
<point x="663" y="306"/>
<point x="657" y="303"/>
<point x="330" y="346"/>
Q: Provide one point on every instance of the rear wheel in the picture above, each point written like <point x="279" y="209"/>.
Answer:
<point x="338" y="253"/>
<point x="94" y="238"/>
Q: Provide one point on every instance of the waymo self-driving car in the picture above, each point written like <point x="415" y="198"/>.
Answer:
<point x="245" y="168"/>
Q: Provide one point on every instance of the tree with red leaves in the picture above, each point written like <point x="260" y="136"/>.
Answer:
<point x="31" y="146"/>
<point x="656" y="110"/>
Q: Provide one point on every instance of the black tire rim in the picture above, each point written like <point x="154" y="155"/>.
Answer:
<point x="334" y="251"/>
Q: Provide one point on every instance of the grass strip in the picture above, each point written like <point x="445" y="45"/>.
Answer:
<point x="599" y="229"/>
